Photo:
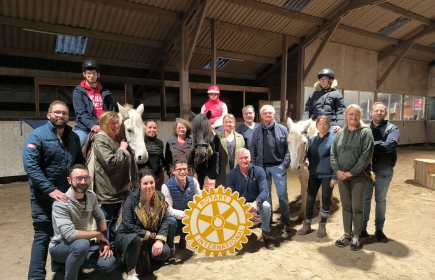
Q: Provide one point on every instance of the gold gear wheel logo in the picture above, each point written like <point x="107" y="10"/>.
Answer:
<point x="217" y="222"/>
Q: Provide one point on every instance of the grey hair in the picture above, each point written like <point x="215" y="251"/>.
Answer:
<point x="244" y="151"/>
<point x="248" y="107"/>
<point x="270" y="107"/>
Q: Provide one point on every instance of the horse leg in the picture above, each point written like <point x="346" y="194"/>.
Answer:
<point x="201" y="178"/>
<point x="303" y="179"/>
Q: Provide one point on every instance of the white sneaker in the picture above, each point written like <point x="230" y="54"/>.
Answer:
<point x="133" y="277"/>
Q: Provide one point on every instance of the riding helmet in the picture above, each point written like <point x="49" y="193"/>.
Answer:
<point x="214" y="89"/>
<point x="90" y="65"/>
<point x="326" y="72"/>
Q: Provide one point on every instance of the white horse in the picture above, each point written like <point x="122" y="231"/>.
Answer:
<point x="299" y="134"/>
<point x="133" y="128"/>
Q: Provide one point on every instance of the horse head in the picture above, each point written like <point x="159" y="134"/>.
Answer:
<point x="132" y="129"/>
<point x="202" y="136"/>
<point x="299" y="134"/>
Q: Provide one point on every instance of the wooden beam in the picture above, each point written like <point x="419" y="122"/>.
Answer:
<point x="5" y="71"/>
<point x="184" y="75"/>
<point x="218" y="74"/>
<point x="58" y="82"/>
<point x="162" y="94"/>
<point x="222" y="87"/>
<point x="321" y="47"/>
<point x="174" y="61"/>
<point x="277" y="11"/>
<point x="300" y="87"/>
<point x="213" y="53"/>
<point x="396" y="60"/>
<point x="134" y="7"/>
<point x="128" y="94"/>
<point x="233" y="55"/>
<point x="73" y="31"/>
<point x="196" y="30"/>
<point x="38" y="113"/>
<point x="334" y="17"/>
<point x="283" y="96"/>
<point x="367" y="34"/>
<point x="405" y="13"/>
<point x="426" y="30"/>
<point x="250" y="31"/>
<point x="72" y="58"/>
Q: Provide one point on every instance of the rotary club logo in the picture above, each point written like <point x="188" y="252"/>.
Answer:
<point x="217" y="222"/>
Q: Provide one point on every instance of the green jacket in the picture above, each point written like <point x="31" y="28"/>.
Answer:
<point x="115" y="170"/>
<point x="224" y="164"/>
<point x="352" y="151"/>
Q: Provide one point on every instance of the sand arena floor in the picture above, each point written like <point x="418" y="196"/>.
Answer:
<point x="410" y="254"/>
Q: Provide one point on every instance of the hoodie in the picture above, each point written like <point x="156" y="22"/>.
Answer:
<point x="352" y="151"/>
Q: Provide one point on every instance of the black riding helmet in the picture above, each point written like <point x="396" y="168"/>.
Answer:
<point x="326" y="72"/>
<point x="90" y="65"/>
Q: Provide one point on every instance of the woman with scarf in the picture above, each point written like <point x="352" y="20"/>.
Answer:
<point x="144" y="227"/>
<point x="114" y="170"/>
<point x="156" y="160"/>
<point x="351" y="155"/>
<point x="229" y="141"/>
<point x="217" y="108"/>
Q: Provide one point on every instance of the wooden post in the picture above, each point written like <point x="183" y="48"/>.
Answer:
<point x="213" y="52"/>
<point x="38" y="113"/>
<point x="284" y="59"/>
<point x="244" y="99"/>
<point x="300" y="86"/>
<point x="163" y="93"/>
<point x="184" y="75"/>
<point x="128" y="94"/>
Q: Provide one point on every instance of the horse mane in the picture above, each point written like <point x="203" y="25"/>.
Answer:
<point x="201" y="127"/>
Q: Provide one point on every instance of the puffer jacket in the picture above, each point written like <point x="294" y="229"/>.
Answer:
<point x="84" y="108"/>
<point x="47" y="160"/>
<point x="327" y="102"/>
<point x="352" y="151"/>
<point x="257" y="144"/>
<point x="115" y="170"/>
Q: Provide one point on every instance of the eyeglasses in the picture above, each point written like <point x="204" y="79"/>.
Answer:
<point x="379" y="111"/>
<point x="79" y="179"/>
<point x="60" y="113"/>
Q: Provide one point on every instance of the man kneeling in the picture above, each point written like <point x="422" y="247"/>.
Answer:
<point x="178" y="191"/>
<point x="250" y="181"/>
<point x="71" y="243"/>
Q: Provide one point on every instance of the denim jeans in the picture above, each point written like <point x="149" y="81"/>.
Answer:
<point x="82" y="135"/>
<point x="265" y="211"/>
<point x="352" y="192"/>
<point x="314" y="184"/>
<point x="174" y="228"/>
<point x="111" y="212"/>
<point x="80" y="252"/>
<point x="383" y="179"/>
<point x="40" y="205"/>
<point x="279" y="175"/>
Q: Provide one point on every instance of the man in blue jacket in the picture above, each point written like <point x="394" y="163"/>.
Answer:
<point x="269" y="149"/>
<point x="386" y="136"/>
<point x="250" y="181"/>
<point x="49" y="151"/>
<point x="90" y="101"/>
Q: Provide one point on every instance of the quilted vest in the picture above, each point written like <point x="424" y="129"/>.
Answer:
<point x="180" y="197"/>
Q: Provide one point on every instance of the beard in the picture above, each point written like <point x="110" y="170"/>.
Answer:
<point x="80" y="188"/>
<point x="58" y="123"/>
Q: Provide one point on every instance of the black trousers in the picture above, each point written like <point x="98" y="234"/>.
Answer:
<point x="314" y="184"/>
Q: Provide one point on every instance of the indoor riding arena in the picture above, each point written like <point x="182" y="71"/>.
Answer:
<point x="165" y="55"/>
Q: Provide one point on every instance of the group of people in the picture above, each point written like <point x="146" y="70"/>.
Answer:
<point x="251" y="156"/>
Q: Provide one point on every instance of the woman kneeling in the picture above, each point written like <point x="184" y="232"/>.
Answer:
<point x="144" y="228"/>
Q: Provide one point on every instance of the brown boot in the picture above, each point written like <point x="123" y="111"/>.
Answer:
<point x="305" y="229"/>
<point x="267" y="241"/>
<point x="321" y="232"/>
<point x="172" y="258"/>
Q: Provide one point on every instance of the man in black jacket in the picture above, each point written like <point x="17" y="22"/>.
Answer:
<point x="386" y="136"/>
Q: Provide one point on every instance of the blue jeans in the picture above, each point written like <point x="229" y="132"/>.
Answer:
<point x="383" y="179"/>
<point x="111" y="212"/>
<point x="40" y="205"/>
<point x="279" y="175"/>
<point x="265" y="212"/>
<point x="80" y="252"/>
<point x="82" y="135"/>
<point x="174" y="228"/>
